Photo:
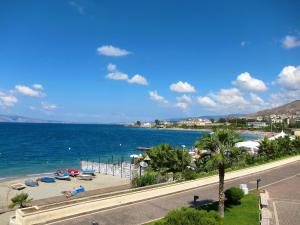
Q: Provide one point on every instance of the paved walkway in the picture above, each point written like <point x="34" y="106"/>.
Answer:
<point x="142" y="212"/>
<point x="284" y="201"/>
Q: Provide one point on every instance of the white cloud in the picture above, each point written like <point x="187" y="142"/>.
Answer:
<point x="111" y="67"/>
<point x="286" y="96"/>
<point x="256" y="99"/>
<point x="48" y="106"/>
<point x="7" y="100"/>
<point x="248" y="83"/>
<point x="38" y="87"/>
<point x="183" y="87"/>
<point x="25" y="90"/>
<point x="156" y="97"/>
<point x="289" y="78"/>
<point x="109" y="50"/>
<point x="138" y="79"/>
<point x="32" y="107"/>
<point x="231" y="97"/>
<point x="206" y="101"/>
<point x="290" y="41"/>
<point x="181" y="105"/>
<point x="184" y="98"/>
<point x="117" y="76"/>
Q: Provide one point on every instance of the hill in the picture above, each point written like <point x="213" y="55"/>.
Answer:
<point x="289" y="108"/>
<point x="22" y="119"/>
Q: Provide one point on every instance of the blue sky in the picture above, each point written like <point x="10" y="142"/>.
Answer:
<point x="117" y="61"/>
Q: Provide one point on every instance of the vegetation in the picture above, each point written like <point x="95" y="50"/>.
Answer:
<point x="144" y="180"/>
<point x="166" y="159"/>
<point x="221" y="154"/>
<point x="20" y="200"/>
<point x="138" y="123"/>
<point x="189" y="216"/>
<point x="234" y="195"/>
<point x="246" y="213"/>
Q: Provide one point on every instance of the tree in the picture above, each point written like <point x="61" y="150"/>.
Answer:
<point x="212" y="120"/>
<point x="220" y="145"/>
<point x="138" y="123"/>
<point x="165" y="158"/>
<point x="20" y="200"/>
<point x="222" y="120"/>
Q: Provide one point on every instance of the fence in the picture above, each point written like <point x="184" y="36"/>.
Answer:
<point x="122" y="169"/>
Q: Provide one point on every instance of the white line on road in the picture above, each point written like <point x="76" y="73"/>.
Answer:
<point x="275" y="214"/>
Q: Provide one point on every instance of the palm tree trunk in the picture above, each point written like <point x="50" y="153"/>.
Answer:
<point x="221" y="190"/>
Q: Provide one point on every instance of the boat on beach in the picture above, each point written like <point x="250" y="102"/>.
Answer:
<point x="31" y="183"/>
<point x="85" y="177"/>
<point x="88" y="171"/>
<point x="18" y="186"/>
<point x="73" y="172"/>
<point x="60" y="175"/>
<point x="47" y="179"/>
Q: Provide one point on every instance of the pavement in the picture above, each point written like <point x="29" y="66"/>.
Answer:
<point x="152" y="209"/>
<point x="284" y="201"/>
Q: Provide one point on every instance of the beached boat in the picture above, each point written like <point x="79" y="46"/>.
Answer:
<point x="18" y="186"/>
<point x="73" y="172"/>
<point x="85" y="177"/>
<point x="88" y="171"/>
<point x="31" y="183"/>
<point x="62" y="176"/>
<point x="47" y="179"/>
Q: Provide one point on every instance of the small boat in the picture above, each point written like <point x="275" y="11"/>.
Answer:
<point x="73" y="172"/>
<point x="31" y="183"/>
<point x="47" y="179"/>
<point x="89" y="171"/>
<point x="85" y="177"/>
<point x="62" y="176"/>
<point x="18" y="186"/>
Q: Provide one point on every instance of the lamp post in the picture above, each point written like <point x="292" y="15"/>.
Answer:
<point x="257" y="183"/>
<point x="183" y="147"/>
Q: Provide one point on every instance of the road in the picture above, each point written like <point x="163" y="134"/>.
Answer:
<point x="142" y="212"/>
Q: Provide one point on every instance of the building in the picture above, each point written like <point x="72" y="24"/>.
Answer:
<point x="257" y="124"/>
<point x="194" y="122"/>
<point x="296" y="132"/>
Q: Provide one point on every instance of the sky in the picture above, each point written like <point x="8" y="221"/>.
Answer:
<point x="109" y="61"/>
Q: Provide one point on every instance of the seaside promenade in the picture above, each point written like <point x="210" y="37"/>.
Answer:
<point x="144" y="205"/>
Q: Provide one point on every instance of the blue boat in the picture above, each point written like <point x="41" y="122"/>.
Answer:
<point x="62" y="176"/>
<point x="88" y="171"/>
<point x="31" y="183"/>
<point x="47" y="179"/>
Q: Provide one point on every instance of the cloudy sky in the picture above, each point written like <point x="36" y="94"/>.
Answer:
<point x="117" y="61"/>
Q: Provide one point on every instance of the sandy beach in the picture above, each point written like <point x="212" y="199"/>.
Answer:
<point x="48" y="190"/>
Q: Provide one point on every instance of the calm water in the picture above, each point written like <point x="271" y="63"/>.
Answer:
<point x="38" y="148"/>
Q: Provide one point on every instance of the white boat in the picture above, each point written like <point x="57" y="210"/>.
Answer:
<point x="18" y="186"/>
<point x="85" y="177"/>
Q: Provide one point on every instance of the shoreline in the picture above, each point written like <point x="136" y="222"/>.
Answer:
<point x="253" y="132"/>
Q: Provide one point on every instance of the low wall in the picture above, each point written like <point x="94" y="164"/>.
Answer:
<point x="32" y="215"/>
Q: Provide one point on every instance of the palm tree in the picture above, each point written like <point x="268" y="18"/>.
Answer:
<point x="219" y="145"/>
<point x="20" y="200"/>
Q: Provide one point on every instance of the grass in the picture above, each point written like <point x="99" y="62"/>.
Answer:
<point x="246" y="213"/>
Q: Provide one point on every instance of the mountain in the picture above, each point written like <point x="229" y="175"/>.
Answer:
<point x="22" y="119"/>
<point x="289" y="108"/>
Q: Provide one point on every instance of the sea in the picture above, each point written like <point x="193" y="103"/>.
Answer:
<point x="34" y="149"/>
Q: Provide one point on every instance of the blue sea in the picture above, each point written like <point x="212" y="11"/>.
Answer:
<point x="27" y="149"/>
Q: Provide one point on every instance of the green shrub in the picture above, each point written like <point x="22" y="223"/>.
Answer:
<point x="146" y="179"/>
<point x="190" y="175"/>
<point x="190" y="216"/>
<point x="234" y="195"/>
<point x="20" y="201"/>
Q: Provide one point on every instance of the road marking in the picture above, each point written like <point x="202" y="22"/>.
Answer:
<point x="275" y="214"/>
<point x="278" y="181"/>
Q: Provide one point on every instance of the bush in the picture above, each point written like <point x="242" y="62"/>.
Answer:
<point x="190" y="175"/>
<point x="146" y="179"/>
<point x="190" y="216"/>
<point x="20" y="201"/>
<point x="234" y="195"/>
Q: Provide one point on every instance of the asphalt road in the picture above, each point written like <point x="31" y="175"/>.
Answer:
<point x="142" y="212"/>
